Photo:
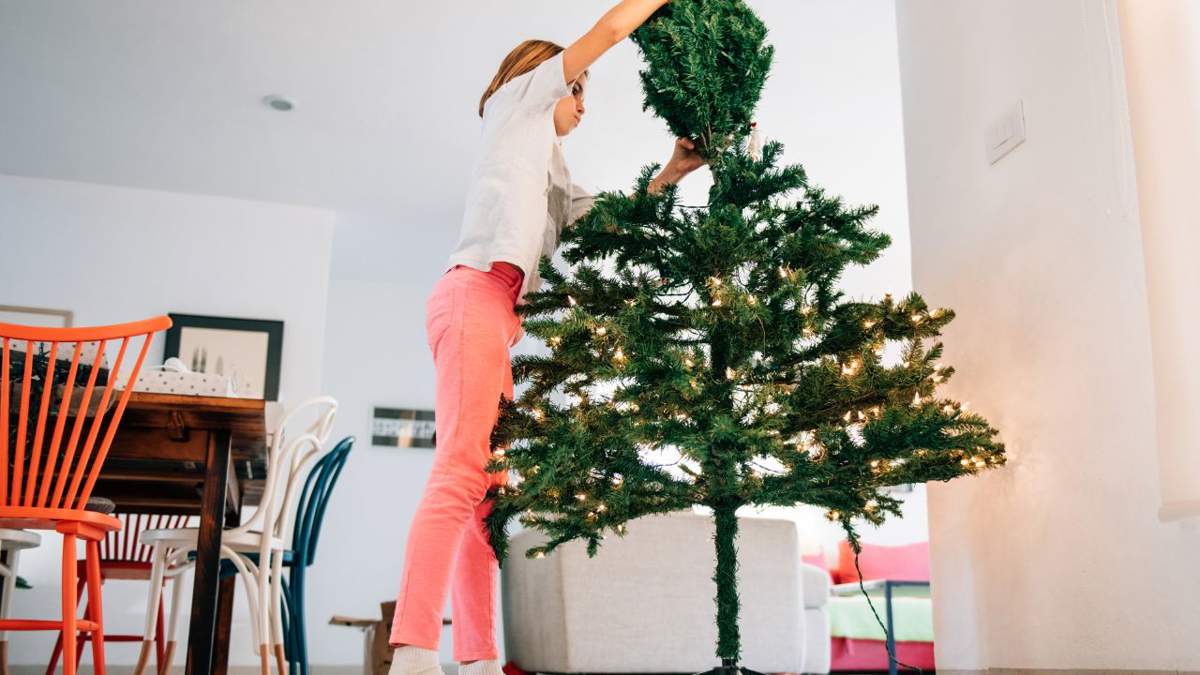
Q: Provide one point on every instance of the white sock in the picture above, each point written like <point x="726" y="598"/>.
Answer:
<point x="413" y="660"/>
<point x="481" y="667"/>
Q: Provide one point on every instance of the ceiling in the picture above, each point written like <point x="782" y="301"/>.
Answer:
<point x="168" y="95"/>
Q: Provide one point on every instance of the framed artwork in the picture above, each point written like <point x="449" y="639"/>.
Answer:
<point x="249" y="350"/>
<point x="36" y="316"/>
<point x="402" y="428"/>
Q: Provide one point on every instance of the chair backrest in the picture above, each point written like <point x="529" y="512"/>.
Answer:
<point x="123" y="545"/>
<point x="37" y="468"/>
<point x="286" y="459"/>
<point x="310" y="511"/>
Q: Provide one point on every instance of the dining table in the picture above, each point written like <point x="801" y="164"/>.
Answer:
<point x="203" y="456"/>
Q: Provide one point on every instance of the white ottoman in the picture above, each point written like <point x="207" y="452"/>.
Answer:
<point x="645" y="603"/>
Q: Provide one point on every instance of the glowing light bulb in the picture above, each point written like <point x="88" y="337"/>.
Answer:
<point x="752" y="300"/>
<point x="868" y="324"/>
<point x="539" y="554"/>
<point x="538" y="414"/>
<point x="716" y="302"/>
<point x="689" y="362"/>
<point x="571" y="301"/>
<point x="730" y="373"/>
<point x="716" y="281"/>
<point x="580" y="496"/>
<point x="619" y="355"/>
<point x="916" y="318"/>
<point x="601" y="331"/>
<point x="916" y="399"/>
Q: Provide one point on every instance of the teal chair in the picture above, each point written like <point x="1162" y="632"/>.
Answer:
<point x="310" y="514"/>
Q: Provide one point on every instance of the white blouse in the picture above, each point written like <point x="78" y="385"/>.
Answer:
<point x="521" y="195"/>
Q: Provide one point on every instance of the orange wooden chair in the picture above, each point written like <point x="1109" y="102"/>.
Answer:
<point x="123" y="557"/>
<point x="49" y="465"/>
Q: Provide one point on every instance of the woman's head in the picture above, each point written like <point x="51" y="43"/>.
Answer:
<point x="568" y="111"/>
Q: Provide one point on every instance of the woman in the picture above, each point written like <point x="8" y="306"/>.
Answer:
<point x="521" y="196"/>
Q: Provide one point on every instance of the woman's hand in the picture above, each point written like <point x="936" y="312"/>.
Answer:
<point x="684" y="160"/>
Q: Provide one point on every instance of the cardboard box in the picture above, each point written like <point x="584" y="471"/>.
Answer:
<point x="377" y="653"/>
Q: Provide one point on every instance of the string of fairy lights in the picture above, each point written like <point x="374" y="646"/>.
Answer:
<point x="723" y="294"/>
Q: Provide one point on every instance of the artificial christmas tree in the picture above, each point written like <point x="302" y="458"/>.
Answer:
<point x="717" y="332"/>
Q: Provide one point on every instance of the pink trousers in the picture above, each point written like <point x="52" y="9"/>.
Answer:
<point x="469" y="324"/>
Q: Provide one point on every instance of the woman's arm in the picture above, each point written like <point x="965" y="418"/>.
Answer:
<point x="684" y="160"/>
<point x="614" y="26"/>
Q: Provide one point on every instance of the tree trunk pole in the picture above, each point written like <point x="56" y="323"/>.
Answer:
<point x="721" y="473"/>
<point x="729" y="643"/>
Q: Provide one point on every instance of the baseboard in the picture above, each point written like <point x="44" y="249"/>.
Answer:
<point x="1064" y="671"/>
<point x="179" y="670"/>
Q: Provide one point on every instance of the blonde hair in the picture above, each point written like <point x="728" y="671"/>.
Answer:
<point x="528" y="55"/>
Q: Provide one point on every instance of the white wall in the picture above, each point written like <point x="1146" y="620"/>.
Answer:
<point x="116" y="254"/>
<point x="1057" y="561"/>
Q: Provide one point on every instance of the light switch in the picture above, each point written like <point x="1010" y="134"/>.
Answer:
<point x="1006" y="133"/>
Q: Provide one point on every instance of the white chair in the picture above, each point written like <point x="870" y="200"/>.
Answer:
<point x="12" y="542"/>
<point x="255" y="547"/>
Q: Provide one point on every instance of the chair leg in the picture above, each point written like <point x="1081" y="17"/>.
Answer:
<point x="10" y="587"/>
<point x="54" y="655"/>
<point x="95" y="605"/>
<point x="84" y="636"/>
<point x="300" y="620"/>
<point x="290" y="646"/>
<point x="69" y="601"/>
<point x="277" y="611"/>
<point x="153" y="597"/>
<point x="159" y="640"/>
<point x="176" y="591"/>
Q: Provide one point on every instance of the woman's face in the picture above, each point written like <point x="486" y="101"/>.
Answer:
<point x="568" y="112"/>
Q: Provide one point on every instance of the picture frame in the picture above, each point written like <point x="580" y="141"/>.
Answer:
<point x="250" y="350"/>
<point x="37" y="316"/>
<point x="402" y="428"/>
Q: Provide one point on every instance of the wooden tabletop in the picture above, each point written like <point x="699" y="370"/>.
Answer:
<point x="156" y="463"/>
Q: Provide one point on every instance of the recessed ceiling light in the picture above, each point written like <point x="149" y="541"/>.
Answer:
<point x="280" y="103"/>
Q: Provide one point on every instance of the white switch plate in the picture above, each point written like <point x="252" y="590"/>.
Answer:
<point x="1006" y="133"/>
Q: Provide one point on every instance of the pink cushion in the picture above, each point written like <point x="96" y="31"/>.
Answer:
<point x="817" y="559"/>
<point x="899" y="563"/>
